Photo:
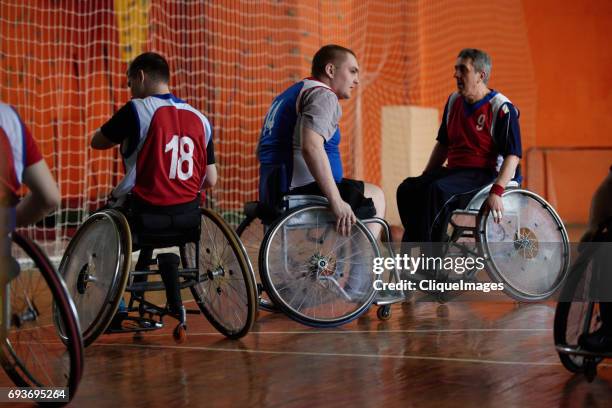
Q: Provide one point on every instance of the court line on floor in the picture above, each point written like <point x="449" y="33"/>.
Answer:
<point x="313" y="354"/>
<point x="362" y="331"/>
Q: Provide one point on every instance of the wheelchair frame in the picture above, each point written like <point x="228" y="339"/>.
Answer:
<point x="476" y="230"/>
<point x="291" y="205"/>
<point x="64" y="318"/>
<point x="192" y="277"/>
<point x="572" y="356"/>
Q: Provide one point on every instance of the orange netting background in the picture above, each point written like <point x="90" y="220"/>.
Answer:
<point x="62" y="65"/>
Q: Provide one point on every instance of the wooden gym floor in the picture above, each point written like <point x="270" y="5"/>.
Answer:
<point x="464" y="353"/>
<point x="468" y="354"/>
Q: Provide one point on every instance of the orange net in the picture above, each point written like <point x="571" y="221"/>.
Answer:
<point x="62" y="66"/>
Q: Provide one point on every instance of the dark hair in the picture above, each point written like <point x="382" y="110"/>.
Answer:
<point x="329" y="53"/>
<point x="153" y="64"/>
<point x="480" y="60"/>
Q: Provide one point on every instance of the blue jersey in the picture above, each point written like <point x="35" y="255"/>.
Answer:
<point x="279" y="139"/>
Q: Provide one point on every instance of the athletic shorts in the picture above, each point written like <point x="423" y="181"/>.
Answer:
<point x="350" y="190"/>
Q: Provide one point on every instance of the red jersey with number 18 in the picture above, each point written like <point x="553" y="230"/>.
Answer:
<point x="166" y="165"/>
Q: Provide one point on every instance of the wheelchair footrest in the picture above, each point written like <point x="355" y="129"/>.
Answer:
<point x="388" y="298"/>
<point x="131" y="324"/>
<point x="579" y="351"/>
<point x="267" y="305"/>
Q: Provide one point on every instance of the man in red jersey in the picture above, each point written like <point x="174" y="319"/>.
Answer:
<point x="480" y="137"/>
<point x="23" y="163"/>
<point x="168" y="154"/>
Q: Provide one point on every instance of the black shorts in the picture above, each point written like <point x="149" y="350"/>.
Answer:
<point x="350" y="190"/>
<point x="163" y="222"/>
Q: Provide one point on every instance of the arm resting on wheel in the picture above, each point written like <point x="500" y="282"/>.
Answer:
<point x="318" y="164"/>
<point x="43" y="197"/>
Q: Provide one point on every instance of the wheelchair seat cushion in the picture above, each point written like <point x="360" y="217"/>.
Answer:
<point x="164" y="226"/>
<point x="261" y="210"/>
<point x="350" y="190"/>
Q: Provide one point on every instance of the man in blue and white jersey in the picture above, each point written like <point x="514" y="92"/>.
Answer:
<point x="300" y="138"/>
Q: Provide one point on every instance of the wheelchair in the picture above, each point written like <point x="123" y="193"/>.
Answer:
<point x="308" y="271"/>
<point x="97" y="269"/>
<point x="578" y="312"/>
<point x="40" y="339"/>
<point x="528" y="251"/>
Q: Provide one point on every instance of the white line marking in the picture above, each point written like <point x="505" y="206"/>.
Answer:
<point x="366" y="331"/>
<point x="305" y="353"/>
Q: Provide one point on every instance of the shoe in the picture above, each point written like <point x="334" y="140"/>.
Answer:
<point x="122" y="306"/>
<point x="599" y="341"/>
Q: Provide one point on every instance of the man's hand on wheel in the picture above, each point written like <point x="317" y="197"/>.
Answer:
<point x="496" y="205"/>
<point x="345" y="218"/>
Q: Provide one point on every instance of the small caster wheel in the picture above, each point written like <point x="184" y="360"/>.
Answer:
<point x="384" y="313"/>
<point x="590" y="369"/>
<point x="180" y="333"/>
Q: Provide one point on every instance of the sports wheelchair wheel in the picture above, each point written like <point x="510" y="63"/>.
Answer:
<point x="528" y="251"/>
<point x="314" y="275"/>
<point x="251" y="232"/>
<point x="226" y="292"/>
<point x="576" y="314"/>
<point x="33" y="355"/>
<point x="572" y="319"/>
<point x="96" y="267"/>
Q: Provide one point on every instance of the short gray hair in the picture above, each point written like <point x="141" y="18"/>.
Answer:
<point x="480" y="60"/>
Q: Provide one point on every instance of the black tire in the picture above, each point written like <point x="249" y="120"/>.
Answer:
<point x="565" y="334"/>
<point x="229" y="301"/>
<point x="251" y="233"/>
<point x="572" y="319"/>
<point x="324" y="301"/>
<point x="532" y="229"/>
<point x="31" y="365"/>
<point x="96" y="267"/>
<point x="384" y="312"/>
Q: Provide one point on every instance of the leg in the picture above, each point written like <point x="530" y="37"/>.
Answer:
<point x="412" y="203"/>
<point x="378" y="197"/>
<point x="144" y="261"/>
<point x="449" y="193"/>
<point x="168" y="268"/>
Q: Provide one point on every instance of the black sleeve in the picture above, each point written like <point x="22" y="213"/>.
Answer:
<point x="123" y="125"/>
<point x="507" y="133"/>
<point x="210" y="152"/>
<point x="443" y="132"/>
